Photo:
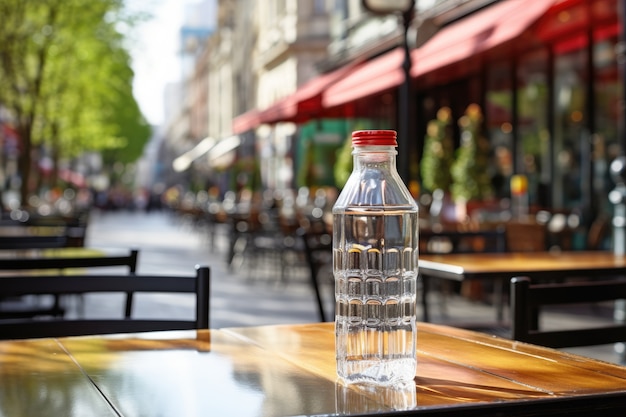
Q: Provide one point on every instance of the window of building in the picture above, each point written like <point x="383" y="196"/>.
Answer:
<point x="571" y="136"/>
<point x="605" y="140"/>
<point x="499" y="124"/>
<point x="533" y="143"/>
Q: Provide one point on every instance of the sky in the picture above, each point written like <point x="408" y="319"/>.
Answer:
<point x="154" y="54"/>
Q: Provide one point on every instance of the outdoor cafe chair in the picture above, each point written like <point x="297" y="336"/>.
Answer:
<point x="33" y="242"/>
<point x="43" y="232"/>
<point x="318" y="252"/>
<point x="527" y="300"/>
<point x="71" y="263"/>
<point x="123" y="283"/>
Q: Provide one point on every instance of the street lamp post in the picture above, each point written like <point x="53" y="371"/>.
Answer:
<point x="621" y="61"/>
<point x="618" y="197"/>
<point x="406" y="9"/>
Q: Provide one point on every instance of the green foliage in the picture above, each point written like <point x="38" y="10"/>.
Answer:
<point x="318" y="144"/>
<point x="66" y="79"/>
<point x="470" y="170"/>
<point x="438" y="153"/>
<point x="132" y="128"/>
<point x="343" y="167"/>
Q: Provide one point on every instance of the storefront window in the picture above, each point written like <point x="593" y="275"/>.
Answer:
<point x="533" y="144"/>
<point x="605" y="143"/>
<point x="571" y="137"/>
<point x="499" y="125"/>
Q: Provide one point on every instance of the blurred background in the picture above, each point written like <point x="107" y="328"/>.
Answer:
<point x="505" y="109"/>
<point x="229" y="122"/>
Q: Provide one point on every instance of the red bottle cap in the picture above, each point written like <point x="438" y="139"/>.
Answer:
<point x="374" y="138"/>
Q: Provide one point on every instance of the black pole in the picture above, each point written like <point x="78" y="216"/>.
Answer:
<point x="403" y="102"/>
<point x="621" y="61"/>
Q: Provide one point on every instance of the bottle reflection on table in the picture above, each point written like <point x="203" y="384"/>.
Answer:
<point x="366" y="398"/>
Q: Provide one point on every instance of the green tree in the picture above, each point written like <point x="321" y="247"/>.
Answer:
<point x="66" y="80"/>
<point x="470" y="170"/>
<point x="438" y="153"/>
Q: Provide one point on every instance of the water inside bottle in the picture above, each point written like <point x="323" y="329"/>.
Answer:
<point x="375" y="268"/>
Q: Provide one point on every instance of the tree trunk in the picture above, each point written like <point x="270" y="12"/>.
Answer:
<point x="25" y="162"/>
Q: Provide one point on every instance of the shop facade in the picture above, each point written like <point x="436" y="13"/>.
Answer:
<point x="546" y="75"/>
<point x="551" y="101"/>
<point x="547" y="78"/>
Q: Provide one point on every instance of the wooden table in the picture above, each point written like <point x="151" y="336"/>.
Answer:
<point x="501" y="267"/>
<point x="290" y="370"/>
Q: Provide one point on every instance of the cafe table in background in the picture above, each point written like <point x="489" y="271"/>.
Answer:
<point x="499" y="268"/>
<point x="287" y="370"/>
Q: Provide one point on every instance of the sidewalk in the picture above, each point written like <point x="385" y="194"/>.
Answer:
<point x="169" y="246"/>
<point x="242" y="297"/>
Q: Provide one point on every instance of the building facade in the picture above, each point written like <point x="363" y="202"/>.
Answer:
<point x="546" y="76"/>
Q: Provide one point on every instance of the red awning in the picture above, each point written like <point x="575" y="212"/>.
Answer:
<point x="372" y="77"/>
<point x="469" y="36"/>
<point x="246" y="121"/>
<point x="299" y="107"/>
<point x="306" y="102"/>
<point x="476" y="33"/>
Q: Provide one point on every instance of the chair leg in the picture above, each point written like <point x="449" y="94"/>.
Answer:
<point x="318" y="297"/>
<point x="129" y="305"/>
<point x="57" y="309"/>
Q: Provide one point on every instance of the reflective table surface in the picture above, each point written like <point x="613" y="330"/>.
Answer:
<point x="462" y="266"/>
<point x="501" y="267"/>
<point x="290" y="370"/>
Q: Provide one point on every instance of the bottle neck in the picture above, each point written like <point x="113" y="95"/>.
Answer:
<point x="374" y="157"/>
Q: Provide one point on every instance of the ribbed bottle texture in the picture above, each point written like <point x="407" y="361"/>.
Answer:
<point x="375" y="253"/>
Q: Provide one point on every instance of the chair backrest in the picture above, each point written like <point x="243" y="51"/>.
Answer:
<point x="71" y="261"/>
<point x="64" y="263"/>
<point x="33" y="242"/>
<point x="83" y="284"/>
<point x="527" y="300"/>
<point x="44" y="232"/>
<point x="525" y="237"/>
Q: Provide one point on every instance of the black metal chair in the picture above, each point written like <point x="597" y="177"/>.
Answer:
<point x="43" y="232"/>
<point x="33" y="242"/>
<point x="527" y="300"/>
<point x="71" y="261"/>
<point x="318" y="252"/>
<point x="83" y="284"/>
<point x="63" y="264"/>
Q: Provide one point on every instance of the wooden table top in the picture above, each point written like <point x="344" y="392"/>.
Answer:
<point x="290" y="370"/>
<point x="459" y="266"/>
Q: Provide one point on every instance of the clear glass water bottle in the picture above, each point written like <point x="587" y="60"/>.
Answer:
<point x="375" y="253"/>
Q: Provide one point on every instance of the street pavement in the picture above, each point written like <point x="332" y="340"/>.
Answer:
<point x="171" y="245"/>
<point x="246" y="295"/>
